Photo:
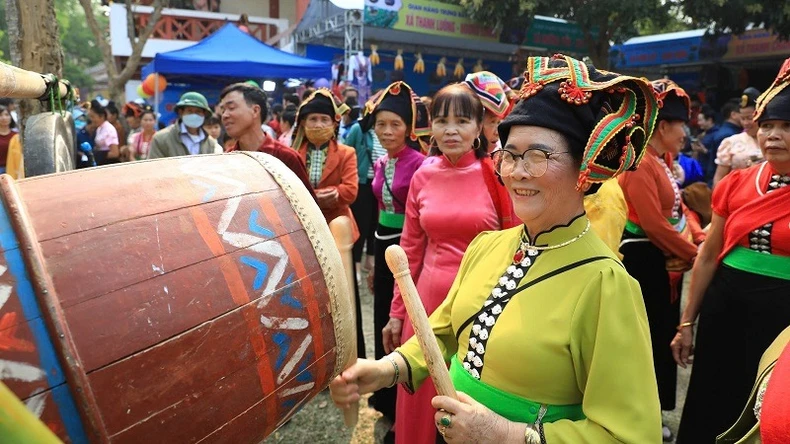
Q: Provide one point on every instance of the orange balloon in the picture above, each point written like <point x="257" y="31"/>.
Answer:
<point x="147" y="87"/>
<point x="150" y="83"/>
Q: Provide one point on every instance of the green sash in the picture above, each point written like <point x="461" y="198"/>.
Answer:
<point x="678" y="224"/>
<point x="748" y="260"/>
<point x="391" y="220"/>
<point x="512" y="407"/>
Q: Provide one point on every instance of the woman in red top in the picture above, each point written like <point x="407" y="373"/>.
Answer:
<point x="659" y="239"/>
<point x="7" y="132"/>
<point x="743" y="274"/>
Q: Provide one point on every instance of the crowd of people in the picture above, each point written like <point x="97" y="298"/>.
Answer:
<point x="548" y="228"/>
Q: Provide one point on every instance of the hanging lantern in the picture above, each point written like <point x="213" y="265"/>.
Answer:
<point x="478" y="66"/>
<point x="419" y="65"/>
<point x="399" y="61"/>
<point x="374" y="55"/>
<point x="441" y="71"/>
<point x="459" y="69"/>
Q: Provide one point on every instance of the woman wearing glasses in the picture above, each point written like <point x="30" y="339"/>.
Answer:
<point x="660" y="242"/>
<point x="545" y="332"/>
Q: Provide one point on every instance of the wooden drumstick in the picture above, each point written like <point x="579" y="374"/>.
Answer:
<point x="18" y="83"/>
<point x="399" y="265"/>
<point x="342" y="232"/>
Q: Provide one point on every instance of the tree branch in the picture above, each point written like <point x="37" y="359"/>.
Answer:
<point x="130" y="29"/>
<point x="138" y="44"/>
<point x="101" y="38"/>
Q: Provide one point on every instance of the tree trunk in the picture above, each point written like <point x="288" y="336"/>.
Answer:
<point x="34" y="41"/>
<point x="598" y="48"/>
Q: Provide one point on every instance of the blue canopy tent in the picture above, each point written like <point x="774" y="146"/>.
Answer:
<point x="674" y="48"/>
<point x="226" y="56"/>
<point x="230" y="52"/>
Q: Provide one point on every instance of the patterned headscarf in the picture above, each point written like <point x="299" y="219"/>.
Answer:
<point x="494" y="93"/>
<point x="673" y="101"/>
<point x="774" y="103"/>
<point x="608" y="115"/>
<point x="321" y="101"/>
<point x="400" y="98"/>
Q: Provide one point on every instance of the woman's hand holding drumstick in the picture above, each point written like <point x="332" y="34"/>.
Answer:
<point x="399" y="265"/>
<point x="367" y="376"/>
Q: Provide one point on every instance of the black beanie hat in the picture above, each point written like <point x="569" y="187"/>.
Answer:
<point x="774" y="104"/>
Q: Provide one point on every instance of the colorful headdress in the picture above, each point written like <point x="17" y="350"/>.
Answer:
<point x="673" y="102"/>
<point x="400" y="99"/>
<point x="609" y="116"/>
<point x="496" y="95"/>
<point x="774" y="103"/>
<point x="321" y="101"/>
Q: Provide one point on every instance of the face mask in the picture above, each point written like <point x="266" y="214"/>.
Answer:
<point x="319" y="136"/>
<point x="193" y="120"/>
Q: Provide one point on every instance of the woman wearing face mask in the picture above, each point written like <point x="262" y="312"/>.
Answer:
<point x="545" y="332"/>
<point x="659" y="239"/>
<point x="449" y="203"/>
<point x="741" y="150"/>
<point x="140" y="142"/>
<point x="186" y="136"/>
<point x="399" y="119"/>
<point x="331" y="166"/>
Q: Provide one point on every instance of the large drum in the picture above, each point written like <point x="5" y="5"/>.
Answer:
<point x="194" y="299"/>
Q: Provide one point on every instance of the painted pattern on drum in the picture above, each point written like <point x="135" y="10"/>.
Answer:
<point x="29" y="362"/>
<point x="292" y="337"/>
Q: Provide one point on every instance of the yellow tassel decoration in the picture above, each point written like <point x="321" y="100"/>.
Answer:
<point x="399" y="61"/>
<point x="459" y="69"/>
<point x="441" y="71"/>
<point x="419" y="65"/>
<point x="479" y="66"/>
<point x="374" y="56"/>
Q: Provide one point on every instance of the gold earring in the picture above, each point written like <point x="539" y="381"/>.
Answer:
<point x="479" y="142"/>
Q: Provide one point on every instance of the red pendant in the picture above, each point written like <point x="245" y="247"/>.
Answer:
<point x="518" y="256"/>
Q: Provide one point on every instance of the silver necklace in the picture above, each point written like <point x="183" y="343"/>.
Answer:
<point x="525" y="246"/>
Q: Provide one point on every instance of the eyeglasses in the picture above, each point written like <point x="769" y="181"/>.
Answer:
<point x="535" y="161"/>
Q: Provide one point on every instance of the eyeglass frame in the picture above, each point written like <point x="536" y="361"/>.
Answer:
<point x="520" y="157"/>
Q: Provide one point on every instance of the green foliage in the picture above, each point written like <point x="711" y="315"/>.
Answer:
<point x="614" y="19"/>
<point x="735" y="15"/>
<point x="5" y="50"/>
<point x="601" y="21"/>
<point x="80" y="49"/>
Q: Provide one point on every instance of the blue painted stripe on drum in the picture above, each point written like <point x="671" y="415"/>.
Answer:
<point x="46" y="350"/>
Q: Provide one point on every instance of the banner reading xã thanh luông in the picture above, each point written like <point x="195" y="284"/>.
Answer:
<point x="425" y="17"/>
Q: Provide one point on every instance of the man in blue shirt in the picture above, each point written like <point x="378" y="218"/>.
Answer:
<point x="731" y="125"/>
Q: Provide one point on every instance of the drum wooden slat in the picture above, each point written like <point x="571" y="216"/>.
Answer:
<point x="155" y="191"/>
<point x="143" y="241"/>
<point x="207" y="310"/>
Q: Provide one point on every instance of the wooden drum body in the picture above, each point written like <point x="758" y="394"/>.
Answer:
<point x="194" y="299"/>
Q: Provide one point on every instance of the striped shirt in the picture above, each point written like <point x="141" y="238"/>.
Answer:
<point x="316" y="158"/>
